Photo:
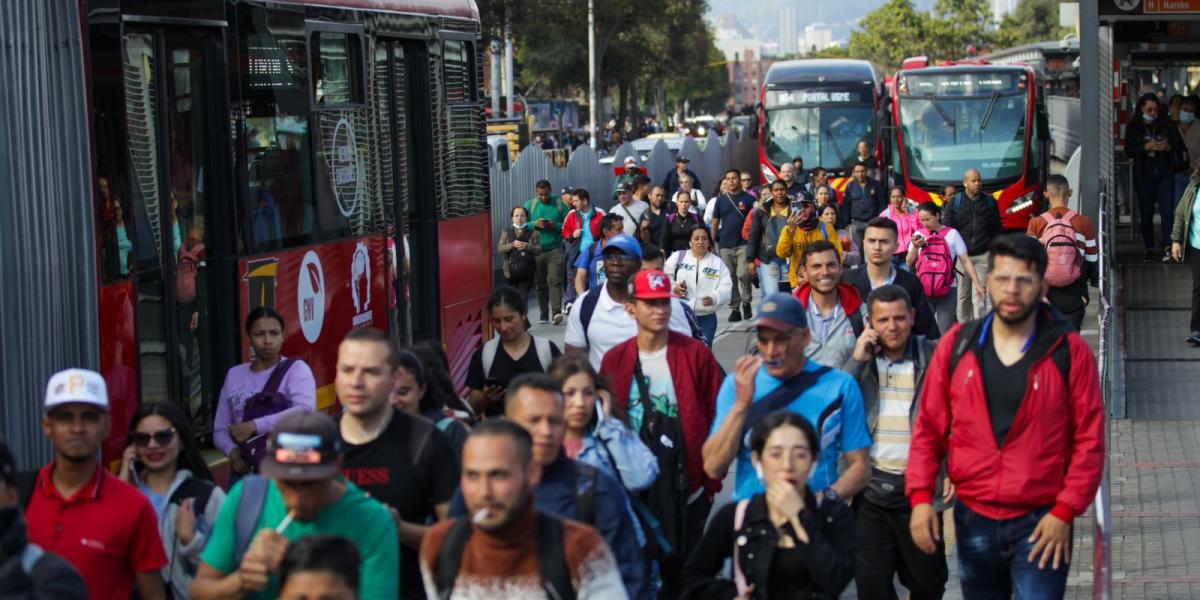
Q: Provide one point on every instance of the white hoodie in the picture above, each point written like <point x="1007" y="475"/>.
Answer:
<point x="711" y="280"/>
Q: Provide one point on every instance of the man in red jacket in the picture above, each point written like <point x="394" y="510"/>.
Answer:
<point x="1020" y="390"/>
<point x="681" y="378"/>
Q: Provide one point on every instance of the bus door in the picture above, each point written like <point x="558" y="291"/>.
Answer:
<point x="175" y="126"/>
<point x="402" y="97"/>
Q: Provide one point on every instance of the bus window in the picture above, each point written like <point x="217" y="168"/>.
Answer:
<point x="337" y="68"/>
<point x="277" y="207"/>
<point x="458" y="70"/>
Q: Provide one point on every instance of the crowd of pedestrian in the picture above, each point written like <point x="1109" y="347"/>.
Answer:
<point x="592" y="471"/>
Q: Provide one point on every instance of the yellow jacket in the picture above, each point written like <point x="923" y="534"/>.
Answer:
<point x="793" y="241"/>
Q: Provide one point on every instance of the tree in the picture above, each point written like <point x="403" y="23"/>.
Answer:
<point x="891" y="33"/>
<point x="958" y="27"/>
<point x="1033" y="21"/>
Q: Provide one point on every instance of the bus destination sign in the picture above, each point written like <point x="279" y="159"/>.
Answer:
<point x="958" y="84"/>
<point x="794" y="97"/>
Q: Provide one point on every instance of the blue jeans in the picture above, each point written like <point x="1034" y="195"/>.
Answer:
<point x="1162" y="192"/>
<point x="993" y="558"/>
<point x="708" y="325"/>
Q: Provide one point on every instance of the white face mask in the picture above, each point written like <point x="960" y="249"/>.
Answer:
<point x="518" y="224"/>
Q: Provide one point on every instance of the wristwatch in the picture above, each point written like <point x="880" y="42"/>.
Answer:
<point x="831" y="494"/>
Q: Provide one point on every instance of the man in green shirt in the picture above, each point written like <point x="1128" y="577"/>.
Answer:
<point x="547" y="214"/>
<point x="304" y="495"/>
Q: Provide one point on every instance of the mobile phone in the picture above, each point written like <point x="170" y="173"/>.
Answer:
<point x="796" y="206"/>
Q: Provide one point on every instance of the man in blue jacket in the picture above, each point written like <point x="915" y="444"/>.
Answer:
<point x="568" y="489"/>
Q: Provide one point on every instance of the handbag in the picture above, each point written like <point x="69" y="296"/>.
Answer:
<point x="264" y="404"/>
<point x="521" y="264"/>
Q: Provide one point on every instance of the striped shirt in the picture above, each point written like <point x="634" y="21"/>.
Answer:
<point x="893" y="430"/>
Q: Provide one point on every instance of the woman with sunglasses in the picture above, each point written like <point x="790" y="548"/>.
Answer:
<point x="163" y="462"/>
<point x="248" y="384"/>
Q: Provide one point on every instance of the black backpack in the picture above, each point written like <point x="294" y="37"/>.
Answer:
<point x="666" y="529"/>
<point x="552" y="563"/>
<point x="521" y="263"/>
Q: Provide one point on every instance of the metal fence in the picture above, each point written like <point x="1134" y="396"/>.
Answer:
<point x="47" y="241"/>
<point x="709" y="160"/>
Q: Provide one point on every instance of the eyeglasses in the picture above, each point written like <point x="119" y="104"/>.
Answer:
<point x="141" y="439"/>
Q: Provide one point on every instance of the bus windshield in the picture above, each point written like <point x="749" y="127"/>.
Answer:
<point x="822" y="135"/>
<point x="945" y="136"/>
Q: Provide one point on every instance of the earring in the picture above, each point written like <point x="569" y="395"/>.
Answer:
<point x="759" y="471"/>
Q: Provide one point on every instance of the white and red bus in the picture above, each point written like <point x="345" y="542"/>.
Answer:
<point x="819" y="110"/>
<point x="296" y="140"/>
<point x="958" y="116"/>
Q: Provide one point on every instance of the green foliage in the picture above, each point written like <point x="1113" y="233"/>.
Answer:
<point x="891" y="33"/>
<point x="957" y="27"/>
<point x="1032" y="21"/>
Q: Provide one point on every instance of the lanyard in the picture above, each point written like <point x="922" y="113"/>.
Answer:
<point x="987" y="328"/>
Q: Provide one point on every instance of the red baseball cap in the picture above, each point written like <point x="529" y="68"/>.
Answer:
<point x="651" y="284"/>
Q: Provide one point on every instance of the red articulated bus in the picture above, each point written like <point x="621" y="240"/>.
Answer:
<point x="957" y="116"/>
<point x="324" y="158"/>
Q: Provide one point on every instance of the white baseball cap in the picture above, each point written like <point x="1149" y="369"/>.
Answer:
<point x="76" y="386"/>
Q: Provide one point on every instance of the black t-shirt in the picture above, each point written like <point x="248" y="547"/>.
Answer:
<point x="656" y="222"/>
<point x="1004" y="386"/>
<point x="789" y="577"/>
<point x="504" y="369"/>
<point x="385" y="470"/>
<point x="732" y="212"/>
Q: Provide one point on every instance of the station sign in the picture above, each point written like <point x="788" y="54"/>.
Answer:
<point x="1149" y="7"/>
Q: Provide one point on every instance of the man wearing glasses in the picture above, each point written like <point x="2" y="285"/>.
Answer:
<point x="599" y="320"/>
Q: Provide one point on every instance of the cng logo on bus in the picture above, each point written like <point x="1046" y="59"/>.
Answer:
<point x="310" y="296"/>
<point x="343" y="167"/>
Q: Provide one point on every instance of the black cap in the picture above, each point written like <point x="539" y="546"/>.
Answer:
<point x="302" y="447"/>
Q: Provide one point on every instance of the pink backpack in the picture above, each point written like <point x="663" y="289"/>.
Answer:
<point x="1066" y="262"/>
<point x="935" y="265"/>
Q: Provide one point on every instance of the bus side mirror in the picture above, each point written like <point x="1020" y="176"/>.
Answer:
<point x="756" y="122"/>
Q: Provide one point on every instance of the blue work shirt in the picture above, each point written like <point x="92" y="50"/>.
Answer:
<point x="556" y="494"/>
<point x="842" y="430"/>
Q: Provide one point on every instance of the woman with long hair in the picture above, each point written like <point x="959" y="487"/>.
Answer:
<point x="701" y="278"/>
<point x="163" y="462"/>
<point x="677" y="233"/>
<point x="247" y="407"/>
<point x="512" y="352"/>
<point x="519" y="245"/>
<point x="784" y="543"/>
<point x="424" y="388"/>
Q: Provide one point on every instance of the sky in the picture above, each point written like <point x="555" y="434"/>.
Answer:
<point x="761" y="17"/>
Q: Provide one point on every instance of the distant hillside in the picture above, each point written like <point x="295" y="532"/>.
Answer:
<point x="761" y="17"/>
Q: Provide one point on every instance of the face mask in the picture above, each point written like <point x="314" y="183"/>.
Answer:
<point x="518" y="225"/>
<point x="1148" y="118"/>
<point x="1186" y="116"/>
<point x="758" y="470"/>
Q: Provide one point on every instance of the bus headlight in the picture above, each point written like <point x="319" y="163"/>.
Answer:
<point x="768" y="174"/>
<point x="1021" y="203"/>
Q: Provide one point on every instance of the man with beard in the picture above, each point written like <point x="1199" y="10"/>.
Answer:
<point x="781" y="377"/>
<point x="103" y="526"/>
<point x="566" y="488"/>
<point x="1027" y="451"/>
<point x="403" y="461"/>
<point x="508" y="547"/>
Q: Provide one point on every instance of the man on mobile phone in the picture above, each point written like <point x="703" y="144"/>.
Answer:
<point x="889" y="364"/>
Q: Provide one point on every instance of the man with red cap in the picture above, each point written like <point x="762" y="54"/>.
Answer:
<point x="667" y="383"/>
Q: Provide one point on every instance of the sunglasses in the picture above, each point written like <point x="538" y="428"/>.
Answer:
<point x="141" y="439"/>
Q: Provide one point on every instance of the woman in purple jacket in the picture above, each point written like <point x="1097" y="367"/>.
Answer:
<point x="231" y="430"/>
